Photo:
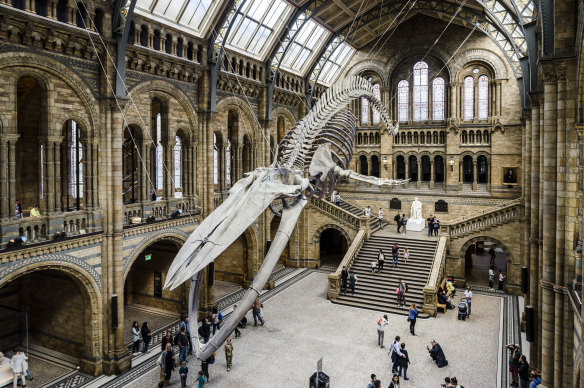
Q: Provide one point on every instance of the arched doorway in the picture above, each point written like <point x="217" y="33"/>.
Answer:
<point x="477" y="258"/>
<point x="413" y="166"/>
<point x="467" y="169"/>
<point x="400" y="168"/>
<point x="51" y="309"/>
<point x="363" y="166"/>
<point x="438" y="169"/>
<point x="482" y="169"/>
<point x="375" y="166"/>
<point x="426" y="170"/>
<point x="333" y="246"/>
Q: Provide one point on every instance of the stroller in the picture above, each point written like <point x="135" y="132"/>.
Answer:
<point x="462" y="309"/>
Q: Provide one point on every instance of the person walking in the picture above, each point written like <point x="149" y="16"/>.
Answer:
<point x="183" y="373"/>
<point x="338" y="199"/>
<point x="135" y="337"/>
<point x="380" y="261"/>
<point x="228" y="354"/>
<point x="167" y="339"/>
<point x="257" y="312"/>
<point x="380" y="216"/>
<point x="237" y="332"/>
<point x="394" y="381"/>
<point x="344" y="278"/>
<point x="201" y="380"/>
<point x="205" y="330"/>
<point x="404" y="222"/>
<point x="412" y="318"/>
<point x="372" y="382"/>
<point x="352" y="282"/>
<point x="394" y="254"/>
<point x="406" y="254"/>
<point x="501" y="280"/>
<point x="397" y="220"/>
<point x="217" y="318"/>
<point x="146" y="336"/>
<point x="403" y="362"/>
<point x="183" y="345"/>
<point x="374" y="266"/>
<point x="430" y="221"/>
<point x="367" y="211"/>
<point x="187" y="326"/>
<point x="395" y="353"/>
<point x="468" y="297"/>
<point x="167" y="363"/>
<point x="403" y="289"/>
<point x="17" y="363"/>
<point x="205" y="367"/>
<point x="491" y="278"/>
<point x="381" y="323"/>
<point x="523" y="372"/>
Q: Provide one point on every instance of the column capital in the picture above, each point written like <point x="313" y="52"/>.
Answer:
<point x="9" y="137"/>
<point x="548" y="70"/>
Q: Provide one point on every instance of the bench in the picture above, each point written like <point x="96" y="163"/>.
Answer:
<point x="440" y="305"/>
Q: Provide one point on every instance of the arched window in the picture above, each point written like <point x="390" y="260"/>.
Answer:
<point x="159" y="154"/>
<point x="371" y="139"/>
<point x="364" y="110"/>
<point x="420" y="91"/>
<point x="375" y="118"/>
<point x="438" y="99"/>
<point x="403" y="138"/>
<point x="403" y="92"/>
<point x="479" y="137"/>
<point x="483" y="97"/>
<point x="435" y="137"/>
<point x="364" y="168"/>
<point x="228" y="163"/>
<point x="438" y="169"/>
<point x="365" y="139"/>
<point x="467" y="169"/>
<point x="130" y="163"/>
<point x="359" y="139"/>
<point x="482" y="169"/>
<point x="215" y="160"/>
<point x="426" y="169"/>
<point x="422" y="138"/>
<point x="377" y="138"/>
<point x="396" y="139"/>
<point x="74" y="172"/>
<point x="375" y="166"/>
<point x="471" y="138"/>
<point x="463" y="137"/>
<point x="442" y="137"/>
<point x="413" y="166"/>
<point x="409" y="138"/>
<point x="486" y="136"/>
<point x="401" y="167"/>
<point x="415" y="137"/>
<point x="429" y="137"/>
<point x="178" y="173"/>
<point x="468" y="98"/>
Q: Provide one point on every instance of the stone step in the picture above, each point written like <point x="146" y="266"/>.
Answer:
<point x="384" y="307"/>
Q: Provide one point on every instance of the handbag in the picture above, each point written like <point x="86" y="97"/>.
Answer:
<point x="409" y="319"/>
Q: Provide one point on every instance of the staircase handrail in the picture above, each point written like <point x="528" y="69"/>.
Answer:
<point x="435" y="278"/>
<point x="334" y="279"/>
<point x="339" y="213"/>
<point x="466" y="224"/>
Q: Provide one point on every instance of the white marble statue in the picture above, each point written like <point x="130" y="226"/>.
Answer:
<point x="416" y="210"/>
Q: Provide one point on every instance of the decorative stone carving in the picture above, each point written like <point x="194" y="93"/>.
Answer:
<point x="395" y="204"/>
<point x="441" y="206"/>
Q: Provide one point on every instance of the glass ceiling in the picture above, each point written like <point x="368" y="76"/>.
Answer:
<point x="256" y="26"/>
<point x="304" y="48"/>
<point x="195" y="14"/>
<point x="335" y="63"/>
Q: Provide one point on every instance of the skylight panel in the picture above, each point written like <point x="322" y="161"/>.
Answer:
<point x="168" y="9"/>
<point x="335" y="63"/>
<point x="304" y="47"/>
<point x="194" y="13"/>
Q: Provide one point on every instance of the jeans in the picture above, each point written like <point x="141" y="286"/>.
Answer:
<point x="412" y="326"/>
<point x="381" y="223"/>
<point x="256" y="316"/>
<point x="401" y="298"/>
<point x="380" y="335"/>
<point x="205" y="339"/>
<point x="429" y="231"/>
<point x="136" y="347"/>
<point x="405" y="369"/>
<point x="183" y="353"/>
<point x="146" y="345"/>
<point x="344" y="285"/>
<point x="237" y="332"/>
<point x="468" y="302"/>
<point x="395" y="258"/>
<point x="216" y="326"/>
<point x="380" y="265"/>
<point x="352" y="287"/>
<point x="205" y="369"/>
<point x="394" y="362"/>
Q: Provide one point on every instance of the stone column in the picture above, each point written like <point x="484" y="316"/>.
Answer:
<point x="29" y="6"/>
<point x="474" y="175"/>
<point x="144" y="187"/>
<point x="57" y="174"/>
<point x="169" y="170"/>
<point x="137" y="31"/>
<point x="52" y="9"/>
<point x="549" y="223"/>
<point x="407" y="163"/>
<point x="50" y="174"/>
<point x="499" y="99"/>
<point x="419" y="170"/>
<point x="476" y="101"/>
<point x="534" y="225"/>
<point x="431" y="174"/>
<point x="5" y="200"/>
<point x="453" y="99"/>
<point x="94" y="175"/>
<point x="72" y="11"/>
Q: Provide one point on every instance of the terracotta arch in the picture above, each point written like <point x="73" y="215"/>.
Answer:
<point x="238" y="104"/>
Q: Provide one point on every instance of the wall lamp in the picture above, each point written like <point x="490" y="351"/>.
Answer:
<point x="451" y="163"/>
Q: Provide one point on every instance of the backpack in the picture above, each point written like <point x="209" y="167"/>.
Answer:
<point x="212" y="359"/>
<point x="220" y="316"/>
<point x="379" y="321"/>
<point x="404" y="221"/>
<point x="406" y="286"/>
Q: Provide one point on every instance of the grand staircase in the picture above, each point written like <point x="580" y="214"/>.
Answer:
<point x="373" y="219"/>
<point x="377" y="291"/>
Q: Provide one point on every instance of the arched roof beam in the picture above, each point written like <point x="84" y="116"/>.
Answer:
<point x="121" y="23"/>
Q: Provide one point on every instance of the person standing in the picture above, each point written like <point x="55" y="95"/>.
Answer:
<point x="167" y="363"/>
<point x="397" y="220"/>
<point x="372" y="382"/>
<point x="523" y="372"/>
<point x="183" y="373"/>
<point x="381" y="323"/>
<point x="367" y="211"/>
<point x="18" y="210"/>
<point x="146" y="336"/>
<point x="380" y="261"/>
<point x="257" y="312"/>
<point x="395" y="254"/>
<point x="436" y="226"/>
<point x="403" y="362"/>
<point x="380" y="216"/>
<point x="205" y="330"/>
<point x="395" y="352"/>
<point x="491" y="278"/>
<point x="228" y="354"/>
<point x="17" y="363"/>
<point x="501" y="280"/>
<point x="200" y="379"/>
<point x="237" y="332"/>
<point x="35" y="212"/>
<point x="205" y="367"/>
<point x="413" y="316"/>
<point x="135" y="337"/>
<point x="374" y="266"/>
<point x="468" y="297"/>
<point x="404" y="222"/>
<point x="514" y="364"/>
<point x="406" y="254"/>
<point x="403" y="288"/>
<point x="344" y="278"/>
<point x="430" y="221"/>
<point x="394" y="381"/>
<point x="183" y="345"/>
<point x="352" y="282"/>
<point x="185" y="324"/>
<point x="338" y="199"/>
<point x="217" y="318"/>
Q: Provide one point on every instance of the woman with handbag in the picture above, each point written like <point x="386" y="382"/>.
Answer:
<point x="412" y="318"/>
<point x="168" y="361"/>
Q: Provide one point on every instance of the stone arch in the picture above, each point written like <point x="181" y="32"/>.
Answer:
<point x="64" y="117"/>
<point x="23" y="60"/>
<point x="473" y="240"/>
<point x="237" y="103"/>
<point x="486" y="57"/>
<point x="173" y="234"/>
<point x="316" y="237"/>
<point x="282" y="111"/>
<point x="436" y="52"/>
<point x="377" y="67"/>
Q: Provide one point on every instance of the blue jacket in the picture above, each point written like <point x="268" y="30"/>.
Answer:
<point x="535" y="383"/>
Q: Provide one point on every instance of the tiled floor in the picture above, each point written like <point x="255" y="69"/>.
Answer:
<point x="302" y="326"/>
<point x="43" y="372"/>
<point x="139" y="313"/>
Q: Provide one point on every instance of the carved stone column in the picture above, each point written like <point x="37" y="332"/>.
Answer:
<point x="474" y="175"/>
<point x="418" y="174"/>
<point x="4" y="205"/>
<point x="58" y="205"/>
<point x="431" y="174"/>
<point x="29" y="6"/>
<point x="407" y="163"/>
<point x="137" y="32"/>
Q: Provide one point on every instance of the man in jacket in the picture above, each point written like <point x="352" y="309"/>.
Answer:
<point x="397" y="220"/>
<point x="183" y="345"/>
<point x="395" y="352"/>
<point x="17" y="362"/>
<point x="344" y="278"/>
<point x="394" y="254"/>
<point x="403" y="288"/>
<point x="437" y="354"/>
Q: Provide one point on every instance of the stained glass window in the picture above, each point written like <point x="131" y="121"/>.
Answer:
<point x="375" y="114"/>
<point x="364" y="110"/>
<point x="438" y="99"/>
<point x="75" y="158"/>
<point x="403" y="92"/>
<point x="468" y="98"/>
<point x="228" y="163"/>
<point x="177" y="164"/>
<point x="420" y="91"/>
<point x="483" y="97"/>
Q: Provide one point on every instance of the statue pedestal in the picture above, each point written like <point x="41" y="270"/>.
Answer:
<point x="416" y="224"/>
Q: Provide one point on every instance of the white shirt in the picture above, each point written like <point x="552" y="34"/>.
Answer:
<point x="381" y="257"/>
<point x="381" y="214"/>
<point x="367" y="212"/>
<point x="395" y="347"/>
<point x="373" y="264"/>
<point x="382" y="325"/>
<point x="468" y="294"/>
<point x="16" y="362"/>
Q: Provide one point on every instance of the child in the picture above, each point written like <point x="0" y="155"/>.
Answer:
<point x="228" y="354"/>
<point x="183" y="372"/>
<point x="201" y="379"/>
<point x="406" y="254"/>
<point x="373" y="265"/>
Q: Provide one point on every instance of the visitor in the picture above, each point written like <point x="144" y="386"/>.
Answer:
<point x="18" y="210"/>
<point x="135" y="337"/>
<point x="523" y="372"/>
<point x="381" y="323"/>
<point x="404" y="222"/>
<point x="430" y="221"/>
<point x="166" y="340"/>
<point x="200" y="379"/>
<point x="228" y="354"/>
<point x="397" y="220"/>
<point x="153" y="194"/>
<point x="468" y="297"/>
<point x="413" y="315"/>
<point x="491" y="278"/>
<point x="450" y="288"/>
<point x="367" y="211"/>
<point x="352" y="282"/>
<point x="257" y="312"/>
<point x="205" y="367"/>
<point x="183" y="345"/>
<point x="205" y="330"/>
<point x="437" y="354"/>
<point x="17" y="362"/>
<point x="380" y="261"/>
<point x="380" y="216"/>
<point x="372" y="382"/>
<point x="167" y="363"/>
<point x="514" y="355"/>
<point x="146" y="336"/>
<point x="535" y="379"/>
<point x="501" y="280"/>
<point x="377" y="383"/>
<point x="394" y="381"/>
<point x="402" y="288"/>
<point x="344" y="278"/>
<point x="183" y="373"/>
<point x="454" y="382"/>
<point x="237" y="332"/>
<point x="395" y="352"/>
<point x="187" y="326"/>
<point x="403" y="362"/>
<point x="216" y="318"/>
<point x="406" y="255"/>
<point x="447" y="382"/>
<point x="374" y="266"/>
<point x="493" y="254"/>
<point x="35" y="212"/>
<point x="395" y="254"/>
<point x="436" y="226"/>
<point x="338" y="199"/>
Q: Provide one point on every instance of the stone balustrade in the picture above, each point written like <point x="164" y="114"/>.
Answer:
<point x="340" y="214"/>
<point x="334" y="279"/>
<point x="436" y="276"/>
